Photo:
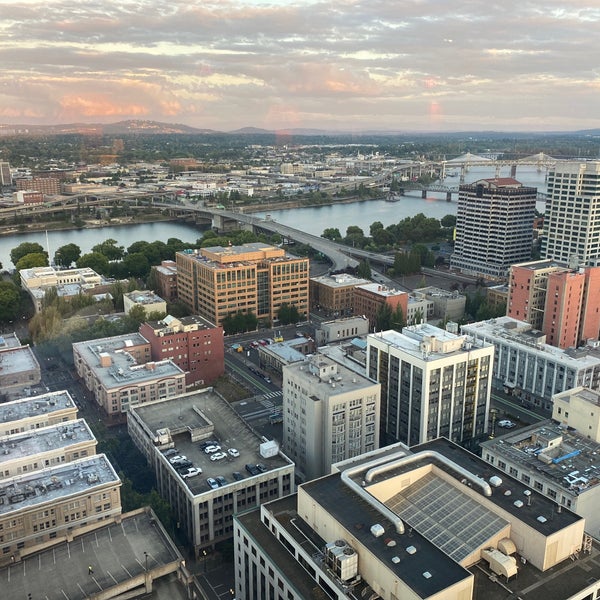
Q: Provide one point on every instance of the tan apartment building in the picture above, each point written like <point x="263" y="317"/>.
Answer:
<point x="147" y="299"/>
<point x="334" y="293"/>
<point x="18" y="367"/>
<point x="252" y="278"/>
<point x="110" y="370"/>
<point x="330" y="413"/>
<point x="35" y="412"/>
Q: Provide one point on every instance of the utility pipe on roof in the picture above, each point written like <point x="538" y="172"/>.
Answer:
<point x="376" y="504"/>
<point x="431" y="454"/>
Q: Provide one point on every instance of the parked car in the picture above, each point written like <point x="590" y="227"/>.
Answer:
<point x="218" y="456"/>
<point x="262" y="468"/>
<point x="191" y="472"/>
<point x="506" y="423"/>
<point x="211" y="449"/>
<point x="237" y="476"/>
<point x="212" y="483"/>
<point x="233" y="452"/>
<point x="183" y="464"/>
<point x="171" y="452"/>
<point x="267" y="379"/>
<point x="252" y="469"/>
<point x="177" y="458"/>
<point x="207" y="443"/>
<point x="221" y="480"/>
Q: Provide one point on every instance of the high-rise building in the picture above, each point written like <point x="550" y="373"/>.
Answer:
<point x="562" y="302"/>
<point x="5" y="176"/>
<point x="330" y="413"/>
<point x="572" y="222"/>
<point x="494" y="226"/>
<point x="433" y="383"/>
<point x="252" y="278"/>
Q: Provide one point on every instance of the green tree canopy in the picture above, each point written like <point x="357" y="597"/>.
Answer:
<point x="383" y="317"/>
<point x="364" y="269"/>
<point x="94" y="260"/>
<point x="136" y="265"/>
<point x="10" y="301"/>
<point x="16" y="254"/>
<point x="288" y="313"/>
<point x="66" y="255"/>
<point x="332" y="233"/>
<point x="37" y="259"/>
<point x="240" y="322"/>
<point x="110" y="249"/>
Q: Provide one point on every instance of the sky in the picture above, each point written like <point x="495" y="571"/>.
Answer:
<point x="346" y="65"/>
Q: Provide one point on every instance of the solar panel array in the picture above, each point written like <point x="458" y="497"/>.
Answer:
<point x="447" y="517"/>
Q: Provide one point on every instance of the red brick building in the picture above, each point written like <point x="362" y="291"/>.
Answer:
<point x="192" y="343"/>
<point x="369" y="298"/>
<point x="166" y="276"/>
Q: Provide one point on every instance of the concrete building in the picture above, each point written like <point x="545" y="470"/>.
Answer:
<point x="555" y="461"/>
<point x="252" y="278"/>
<point x="428" y="524"/>
<point x="28" y="414"/>
<point x="371" y="297"/>
<point x="562" y="302"/>
<point x="572" y="220"/>
<point x="69" y="282"/>
<point x="192" y="343"/>
<point x="433" y="383"/>
<point x="205" y="504"/>
<point x="341" y="329"/>
<point x="147" y="299"/>
<point x="166" y="277"/>
<point x="447" y="306"/>
<point x="18" y="368"/>
<point x="49" y="186"/>
<point x="578" y="409"/>
<point x="110" y="370"/>
<point x="45" y="506"/>
<point x="28" y="197"/>
<point x="274" y="357"/>
<point x="38" y="449"/>
<point x="494" y="226"/>
<point x="330" y="413"/>
<point x="530" y="369"/>
<point x="334" y="293"/>
<point x="497" y="296"/>
<point x="5" y="175"/>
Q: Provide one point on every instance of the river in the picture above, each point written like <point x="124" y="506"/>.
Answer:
<point x="311" y="219"/>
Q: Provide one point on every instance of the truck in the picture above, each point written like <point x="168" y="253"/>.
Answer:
<point x="237" y="347"/>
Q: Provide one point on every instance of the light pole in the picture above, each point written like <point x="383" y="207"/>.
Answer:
<point x="204" y="554"/>
<point x="146" y="560"/>
<point x="494" y="413"/>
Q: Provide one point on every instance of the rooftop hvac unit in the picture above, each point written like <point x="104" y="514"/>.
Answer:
<point x="342" y="560"/>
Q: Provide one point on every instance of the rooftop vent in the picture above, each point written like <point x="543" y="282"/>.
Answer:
<point x="518" y="503"/>
<point x="411" y="550"/>
<point x="542" y="519"/>
<point x="427" y="575"/>
<point x="495" y="481"/>
<point x="395" y="559"/>
<point x="377" y="530"/>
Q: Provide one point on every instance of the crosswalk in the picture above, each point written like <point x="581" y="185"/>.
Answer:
<point x="267" y="399"/>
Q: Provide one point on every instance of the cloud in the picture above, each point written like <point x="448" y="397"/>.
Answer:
<point x="279" y="63"/>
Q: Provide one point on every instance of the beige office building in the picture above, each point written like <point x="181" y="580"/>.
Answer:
<point x="258" y="278"/>
<point x="330" y="413"/>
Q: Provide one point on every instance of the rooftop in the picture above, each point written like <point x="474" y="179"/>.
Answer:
<point x="9" y="340"/>
<point x="17" y="360"/>
<point x="42" y="487"/>
<point x="520" y="333"/>
<point x="35" y="406"/>
<point x="340" y="280"/>
<point x="380" y="290"/>
<point x="205" y="415"/>
<point x="144" y="297"/>
<point x="570" y="460"/>
<point x="172" y="324"/>
<point x="45" y="439"/>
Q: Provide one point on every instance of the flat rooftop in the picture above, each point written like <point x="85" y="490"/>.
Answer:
<point x="42" y="487"/>
<point x="116" y="553"/>
<point x="9" y="340"/>
<point x="41" y="441"/>
<point x="519" y="333"/>
<point x="339" y="281"/>
<point x="380" y="290"/>
<point x="208" y="415"/>
<point x="577" y="466"/>
<point x="17" y="360"/>
<point x="25" y="408"/>
<point x="144" y="297"/>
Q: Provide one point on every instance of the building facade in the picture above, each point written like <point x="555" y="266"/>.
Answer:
<point x="341" y="329"/>
<point x="147" y="299"/>
<point x="252" y="278"/>
<point x="334" y="293"/>
<point x="572" y="221"/>
<point x="166" y="277"/>
<point x="494" y="226"/>
<point x="329" y="414"/>
<point x="433" y="383"/>
<point x="192" y="343"/>
<point x="370" y="298"/>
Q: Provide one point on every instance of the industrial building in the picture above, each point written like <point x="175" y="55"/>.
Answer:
<point x="433" y="522"/>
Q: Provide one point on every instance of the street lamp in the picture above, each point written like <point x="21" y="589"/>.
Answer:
<point x="494" y="413"/>
<point x="146" y="560"/>
<point x="204" y="554"/>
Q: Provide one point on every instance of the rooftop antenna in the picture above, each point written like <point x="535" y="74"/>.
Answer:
<point x="48" y="248"/>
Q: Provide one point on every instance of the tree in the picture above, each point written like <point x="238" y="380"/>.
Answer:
<point x="383" y="317"/>
<point x="110" y="249"/>
<point x="16" y="254"/>
<point x="398" y="321"/>
<point x="288" y="313"/>
<point x="364" y="269"/>
<point x="448" y="221"/>
<point x="10" y="301"/>
<point x="37" y="259"/>
<point x="332" y="233"/>
<point x="66" y="255"/>
<point x="94" y="260"/>
<point x="136" y="265"/>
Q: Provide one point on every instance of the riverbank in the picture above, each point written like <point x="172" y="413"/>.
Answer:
<point x="299" y="203"/>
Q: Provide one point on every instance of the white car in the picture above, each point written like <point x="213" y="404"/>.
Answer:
<point x="191" y="472"/>
<point x="211" y="449"/>
<point x="218" y="456"/>
<point x="233" y="452"/>
<point x="506" y="423"/>
<point x="178" y="458"/>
